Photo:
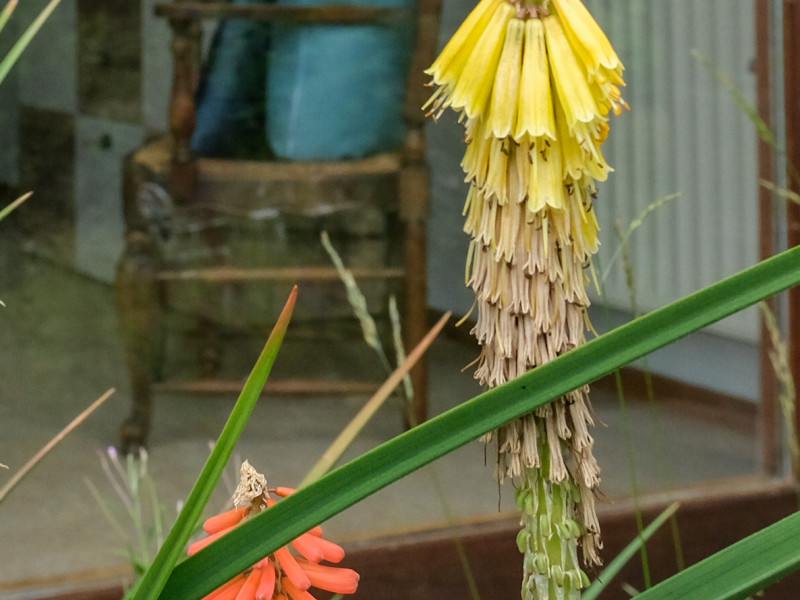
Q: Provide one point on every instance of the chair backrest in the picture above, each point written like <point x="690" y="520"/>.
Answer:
<point x="185" y="18"/>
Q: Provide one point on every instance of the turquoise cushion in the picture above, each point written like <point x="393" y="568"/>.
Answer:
<point x="335" y="91"/>
<point x="231" y="93"/>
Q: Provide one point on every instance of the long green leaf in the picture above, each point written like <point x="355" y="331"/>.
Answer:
<point x="739" y="570"/>
<point x="149" y="587"/>
<point x="8" y="209"/>
<point x="621" y="559"/>
<point x="411" y="450"/>
<point x="25" y="39"/>
<point x="5" y="14"/>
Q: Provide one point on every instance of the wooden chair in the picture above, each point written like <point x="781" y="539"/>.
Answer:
<point x="178" y="209"/>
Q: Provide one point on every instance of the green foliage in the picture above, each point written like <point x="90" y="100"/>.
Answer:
<point x="150" y="585"/>
<point x="400" y="456"/>
<point x="615" y="566"/>
<point x="739" y="570"/>
<point x="142" y="531"/>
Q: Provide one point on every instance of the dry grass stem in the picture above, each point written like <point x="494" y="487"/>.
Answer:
<point x="779" y="356"/>
<point x="36" y="458"/>
<point x="349" y="433"/>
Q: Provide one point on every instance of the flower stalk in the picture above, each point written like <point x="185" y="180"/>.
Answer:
<point x="533" y="82"/>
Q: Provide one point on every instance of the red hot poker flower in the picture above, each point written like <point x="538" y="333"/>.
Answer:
<point x="283" y="575"/>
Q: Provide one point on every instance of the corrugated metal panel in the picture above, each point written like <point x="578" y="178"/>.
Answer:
<point x="685" y="133"/>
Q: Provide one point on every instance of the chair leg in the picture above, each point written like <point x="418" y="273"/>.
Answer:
<point x="414" y="198"/>
<point x="138" y="307"/>
<point x="417" y="315"/>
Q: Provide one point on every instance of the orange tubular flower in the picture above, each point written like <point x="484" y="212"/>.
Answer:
<point x="281" y="575"/>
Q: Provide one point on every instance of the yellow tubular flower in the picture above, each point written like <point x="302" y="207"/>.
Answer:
<point x="472" y="90"/>
<point x="447" y="68"/>
<point x="544" y="183"/>
<point x="535" y="116"/>
<point x="503" y="106"/>
<point x="570" y="81"/>
<point x="518" y="170"/>
<point x="476" y="158"/>
<point x="496" y="178"/>
<point x="589" y="42"/>
<point x="579" y="149"/>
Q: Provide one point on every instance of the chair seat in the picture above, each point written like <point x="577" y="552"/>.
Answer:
<point x="247" y="187"/>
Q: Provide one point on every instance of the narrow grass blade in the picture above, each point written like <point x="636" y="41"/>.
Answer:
<point x="762" y="129"/>
<point x="349" y="433"/>
<point x="149" y="587"/>
<point x="781" y="192"/>
<point x="25" y="39"/>
<point x="615" y="566"/>
<point x="7" y="210"/>
<point x="36" y="458"/>
<point x="739" y="570"/>
<point x="6" y="13"/>
<point x="419" y="446"/>
<point x="625" y="237"/>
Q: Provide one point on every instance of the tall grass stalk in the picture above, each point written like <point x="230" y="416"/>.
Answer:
<point x="36" y="458"/>
<point x="5" y="14"/>
<point x="14" y="205"/>
<point x="19" y="46"/>
<point x="779" y="357"/>
<point x="348" y="434"/>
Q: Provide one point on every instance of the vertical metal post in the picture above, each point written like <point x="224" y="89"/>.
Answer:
<point x="791" y="74"/>
<point x="768" y="406"/>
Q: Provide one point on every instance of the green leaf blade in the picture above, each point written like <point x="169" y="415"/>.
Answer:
<point x="19" y="46"/>
<point x="621" y="559"/>
<point x="154" y="579"/>
<point x="739" y="570"/>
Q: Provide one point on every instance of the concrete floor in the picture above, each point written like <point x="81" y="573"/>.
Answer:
<point x="61" y="351"/>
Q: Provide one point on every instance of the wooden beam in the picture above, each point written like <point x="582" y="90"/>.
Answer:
<point x="227" y="274"/>
<point x="331" y="13"/>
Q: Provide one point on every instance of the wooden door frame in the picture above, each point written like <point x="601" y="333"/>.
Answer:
<point x="791" y="82"/>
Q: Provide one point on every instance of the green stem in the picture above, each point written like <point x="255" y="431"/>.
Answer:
<point x="25" y="39"/>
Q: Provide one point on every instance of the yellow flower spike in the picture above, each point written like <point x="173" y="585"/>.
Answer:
<point x="535" y="107"/>
<point x="570" y="81"/>
<point x="474" y="86"/>
<point x="503" y="104"/>
<point x="589" y="42"/>
<point x="534" y="82"/>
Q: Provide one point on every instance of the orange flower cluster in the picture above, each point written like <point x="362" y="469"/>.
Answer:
<point x="282" y="575"/>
